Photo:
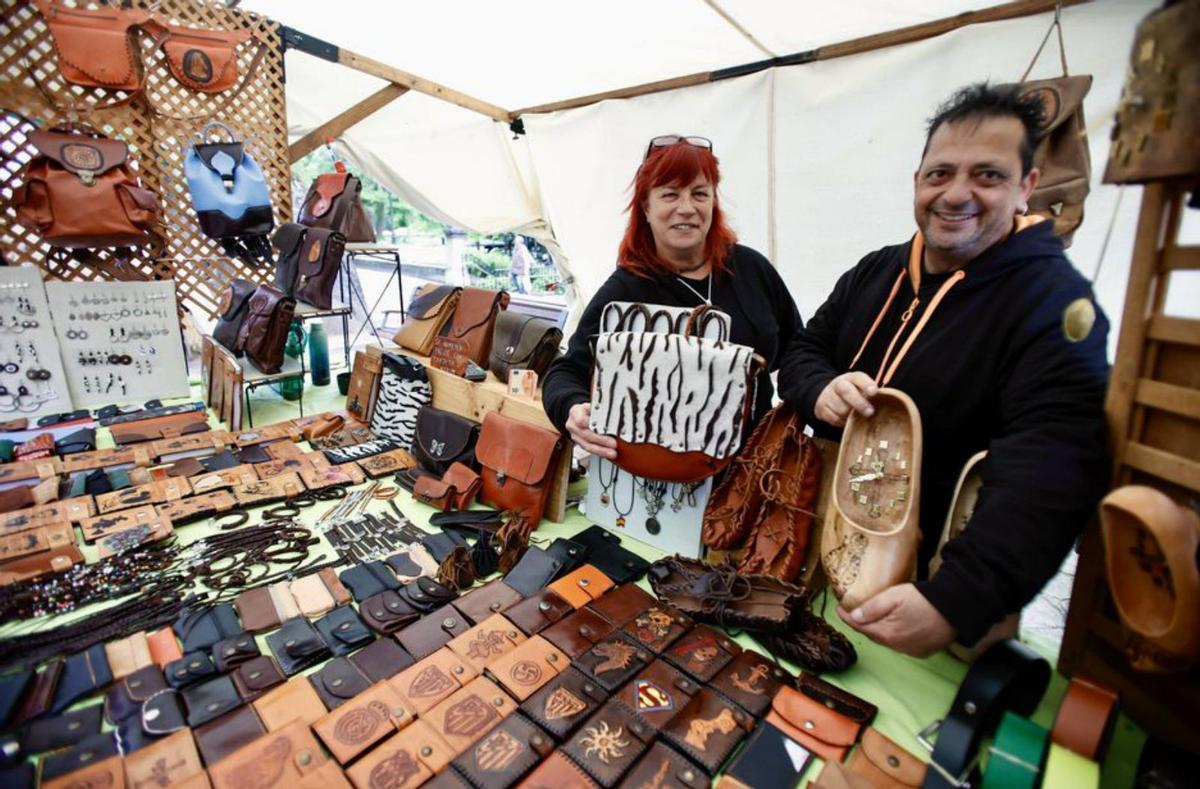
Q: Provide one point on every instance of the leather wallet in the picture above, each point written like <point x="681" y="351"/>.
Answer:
<point x="412" y="562"/>
<point x="531" y="665"/>
<point x="257" y="609"/>
<point x="12" y="688"/>
<point x="432" y="632"/>
<point x="408" y="759"/>
<point x="132" y="737"/>
<point x="356" y="725"/>
<point x="583" y="585"/>
<point x="127" y="655"/>
<point x="623" y="604"/>
<point x="341" y="595"/>
<point x="534" y="614"/>
<point x="337" y="682"/>
<point x="199" y="629"/>
<point x="312" y="596"/>
<point x="293" y="700"/>
<point x="97" y="748"/>
<point x="189" y="669"/>
<point x="823" y="731"/>
<point x="657" y="628"/>
<point x="381" y="659"/>
<point x="229" y="653"/>
<point x="282" y="758"/>
<point x="426" y="594"/>
<point x="125" y="697"/>
<point x="221" y="737"/>
<point x="613" y="661"/>
<point x="285" y="604"/>
<point x="837" y="699"/>
<point x="61" y="731"/>
<point x="164" y="647"/>
<point x="469" y="713"/>
<point x="883" y="763"/>
<point x="486" y="641"/>
<point x="571" y="553"/>
<point x="502" y="756"/>
<point x="769" y="758"/>
<point x="558" y="772"/>
<point x="256" y="676"/>
<point x="564" y="702"/>
<point x="343" y="630"/>
<point x="533" y="572"/>
<point x="662" y="766"/>
<point x="210" y="700"/>
<point x="626" y="739"/>
<point x="702" y="652"/>
<point x="491" y="598"/>
<point x="297" y="645"/>
<point x="168" y="762"/>
<point x="82" y="673"/>
<point x="751" y="681"/>
<point x="163" y="713"/>
<point x="605" y="553"/>
<point x="657" y="693"/>
<point x="387" y="612"/>
<point x="431" y="680"/>
<point x="708" y="728"/>
<point x="578" y="632"/>
<point x="368" y="579"/>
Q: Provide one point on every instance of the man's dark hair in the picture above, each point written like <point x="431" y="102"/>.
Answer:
<point x="981" y="100"/>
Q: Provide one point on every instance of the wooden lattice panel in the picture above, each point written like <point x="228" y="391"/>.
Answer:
<point x="158" y="126"/>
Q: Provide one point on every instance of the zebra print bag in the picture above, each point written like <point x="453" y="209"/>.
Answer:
<point x="403" y="390"/>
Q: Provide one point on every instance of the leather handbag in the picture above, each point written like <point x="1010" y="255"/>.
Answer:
<point x="523" y="342"/>
<point x="815" y="726"/>
<point x="79" y="191"/>
<point x="95" y="46"/>
<point x="334" y="202"/>
<point x="318" y="261"/>
<point x="431" y="309"/>
<point x="474" y="319"/>
<point x="265" y="328"/>
<point x="234" y="308"/>
<point x="518" y="462"/>
<point x="228" y="189"/>
<point x="207" y="60"/>
<point x="404" y="390"/>
<point x="442" y="438"/>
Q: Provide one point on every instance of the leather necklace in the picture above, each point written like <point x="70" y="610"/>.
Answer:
<point x="605" y="485"/>
<point x="706" y="299"/>
<point x="632" y="497"/>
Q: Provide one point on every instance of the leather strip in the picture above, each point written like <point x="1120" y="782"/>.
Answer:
<point x="1068" y="770"/>
<point x="1085" y="719"/>
<point x="1016" y="754"/>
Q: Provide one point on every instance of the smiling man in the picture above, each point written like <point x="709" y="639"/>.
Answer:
<point x="983" y="321"/>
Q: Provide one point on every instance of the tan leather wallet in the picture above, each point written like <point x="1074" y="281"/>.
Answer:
<point x="431" y="680"/>
<point x="528" y="667"/>
<point x="282" y="758"/>
<point x="363" y="721"/>
<point x="127" y="655"/>
<point x="293" y="700"/>
<point x="469" y="713"/>
<point x="486" y="641"/>
<point x="582" y="586"/>
<point x="166" y="762"/>
<point x="417" y="752"/>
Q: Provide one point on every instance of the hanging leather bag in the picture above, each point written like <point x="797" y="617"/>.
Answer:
<point x="317" y="266"/>
<point x="233" y="308"/>
<point x="95" y="47"/>
<point x="287" y="241"/>
<point x="334" y="202"/>
<point x="523" y="342"/>
<point x="228" y="189"/>
<point x="207" y="60"/>
<point x="265" y="328"/>
<point x="518" y="462"/>
<point x="432" y="306"/>
<point x="79" y="191"/>
<point x="474" y="317"/>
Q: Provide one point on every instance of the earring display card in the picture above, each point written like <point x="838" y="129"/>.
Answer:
<point x="120" y="341"/>
<point x="665" y="515"/>
<point x="32" y="382"/>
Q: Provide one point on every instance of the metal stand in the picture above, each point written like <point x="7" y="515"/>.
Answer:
<point x="252" y="378"/>
<point x="371" y="252"/>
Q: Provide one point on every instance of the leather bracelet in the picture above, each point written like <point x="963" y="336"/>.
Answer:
<point x="239" y="519"/>
<point x="282" y="512"/>
<point x="1009" y="675"/>
<point x="1016" y="755"/>
<point x="1085" y="719"/>
<point x="385" y="492"/>
<point x="1066" y="769"/>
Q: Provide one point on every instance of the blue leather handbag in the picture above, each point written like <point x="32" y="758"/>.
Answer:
<point x="229" y="193"/>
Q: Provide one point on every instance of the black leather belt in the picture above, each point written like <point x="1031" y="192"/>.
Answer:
<point x="1008" y="676"/>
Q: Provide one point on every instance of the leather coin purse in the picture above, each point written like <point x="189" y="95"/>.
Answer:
<point x="343" y="630"/>
<point x="232" y="652"/>
<point x="708" y="728"/>
<point x="126" y="697"/>
<point x="491" y="598"/>
<point x="210" y="700"/>
<point x="702" y="652"/>
<point x="657" y="693"/>
<point x="751" y="681"/>
<point x="583" y="585"/>
<point x="823" y="731"/>
<point x="431" y="680"/>
<point x="337" y="682"/>
<point x="565" y="702"/>
<point x="256" y="676"/>
<point x="200" y="629"/>
<point x="882" y="762"/>
<point x="840" y="701"/>
<point x="608" y="743"/>
<point x="528" y="667"/>
<point x="189" y="669"/>
<point x="233" y="730"/>
<point x="657" y="628"/>
<point x="578" y="632"/>
<point x="381" y="659"/>
<point x="426" y="594"/>
<point x="502" y="756"/>
<point x="387" y="612"/>
<point x="297" y="645"/>
<point x="432" y="632"/>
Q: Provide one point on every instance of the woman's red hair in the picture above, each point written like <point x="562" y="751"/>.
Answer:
<point x="671" y="165"/>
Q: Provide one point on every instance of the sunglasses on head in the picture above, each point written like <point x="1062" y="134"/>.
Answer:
<point x="667" y="140"/>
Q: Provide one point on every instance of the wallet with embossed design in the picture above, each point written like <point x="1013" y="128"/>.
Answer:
<point x="564" y="702"/>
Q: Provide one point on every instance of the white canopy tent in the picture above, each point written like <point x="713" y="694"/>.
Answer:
<point x="817" y="158"/>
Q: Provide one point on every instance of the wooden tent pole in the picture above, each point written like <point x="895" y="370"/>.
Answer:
<point x="338" y="124"/>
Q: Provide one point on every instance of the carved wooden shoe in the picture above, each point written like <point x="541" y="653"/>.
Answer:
<point x="872" y="529"/>
<point x="1150" y="555"/>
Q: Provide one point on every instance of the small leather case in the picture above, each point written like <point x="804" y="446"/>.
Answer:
<point x="189" y="669"/>
<point x="257" y="609"/>
<point x="504" y="754"/>
<point x="883" y="763"/>
<point x="469" y="713"/>
<point x="708" y="728"/>
<point x="533" y="572"/>
<point x="312" y="596"/>
<point x="837" y="699"/>
<point x="416" y="753"/>
<point x="426" y="594"/>
<point x="368" y="579"/>
<point x="431" y="680"/>
<point x="125" y="698"/>
<point x="127" y="655"/>
<point x="613" y="661"/>
<point x="702" y="652"/>
<point x="210" y="700"/>
<point x="823" y="731"/>
<point x="171" y="761"/>
<point x="297" y="645"/>
<point x="486" y="641"/>
<point x="564" y="702"/>
<point x="491" y="598"/>
<point x="657" y="693"/>
<point x="256" y="676"/>
<point x="751" y="681"/>
<point x="382" y="659"/>
<point x="12" y="688"/>
<point x="664" y="768"/>
<point x="61" y="731"/>
<point x="163" y="713"/>
<point x="94" y="754"/>
<point x="611" y="722"/>
<point x="583" y="585"/>
<point x="769" y="758"/>
<point x="82" y="673"/>
<point x="387" y="612"/>
<point x="606" y="554"/>
<point x="441" y="544"/>
<point x="282" y="758"/>
<point x="200" y="629"/>
<point x="232" y="652"/>
<point x="438" y="494"/>
<point x="657" y="628"/>
<point x="432" y="632"/>
<point x="412" y="562"/>
<point x="337" y="682"/>
<point x="534" y="614"/>
<point x="578" y="632"/>
<point x="558" y="772"/>
<point x="221" y="737"/>
<point x="528" y="667"/>
<point x="355" y="725"/>
<point x="341" y="595"/>
<point x="294" y="699"/>
<point x="623" y="604"/>
<point x="343" y="630"/>
<point x="572" y="554"/>
<point x="164" y="647"/>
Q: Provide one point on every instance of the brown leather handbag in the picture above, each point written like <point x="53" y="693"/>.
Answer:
<point x="432" y="306"/>
<point x="233" y="308"/>
<point x="207" y="60"/>
<point x="95" y="46"/>
<point x="523" y="342"/>
<point x="474" y="316"/>
<point x="518" y="461"/>
<point x="265" y="328"/>
<point x="79" y="191"/>
<point x="317" y="266"/>
<point x="334" y="203"/>
<point x="442" y="439"/>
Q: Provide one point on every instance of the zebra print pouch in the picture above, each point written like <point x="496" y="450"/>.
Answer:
<point x="403" y="390"/>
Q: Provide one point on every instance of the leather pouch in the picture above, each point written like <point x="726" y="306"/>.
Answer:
<point x="491" y="598"/>
<point x="127" y="655"/>
<point x="94" y="754"/>
<point x="297" y="645"/>
<point x="382" y="659"/>
<point x="293" y="700"/>
<point x="528" y="667"/>
<point x="189" y="669"/>
<point x="200" y="629"/>
<point x="233" y="730"/>
<point x="657" y="694"/>
<point x="564" y="702"/>
<point x="558" y="772"/>
<point x="604" y="723"/>
<point x="523" y="342"/>
<point x="318" y="265"/>
<point x="623" y="604"/>
<point x="518" y="461"/>
<point x="387" y="612"/>
<point x="343" y="630"/>
<point x="426" y="594"/>
<point x="708" y="728"/>
<point x="606" y="554"/>
<point x="408" y="759"/>
<point x="466" y="484"/>
<point x="311" y="595"/>
<point x="613" y="661"/>
<point x="812" y="724"/>
<point x="469" y="713"/>
<point x="578" y="632"/>
<point x="126" y="697"/>
<point x="282" y="758"/>
<point x="256" y="676"/>
<point x="368" y="579"/>
<point x="571" y="553"/>
<point x="582" y="586"/>
<point x="534" y="572"/>
<point x="431" y="680"/>
<point x="883" y="763"/>
<point x="534" y="614"/>
<point x="232" y="652"/>
<point x="663" y="767"/>
<point x="355" y="725"/>
<point x="657" y="628"/>
<point x="486" y="641"/>
<point x="70" y="728"/>
<point x="751" y="681"/>
<point x="502" y="756"/>
<point x="164" y="647"/>
<point x="702" y="652"/>
<point x="160" y="427"/>
<point x="170" y="761"/>
<point x="337" y="682"/>
<point x="434" y="492"/>
<point x="443" y="438"/>
<point x="840" y="701"/>
<point x="257" y="610"/>
<point x="363" y="387"/>
<point x="474" y="319"/>
<point x="431" y="308"/>
<point x="432" y="632"/>
<point x="210" y="700"/>
<point x="769" y="758"/>
<point x="163" y="713"/>
<point x="82" y="673"/>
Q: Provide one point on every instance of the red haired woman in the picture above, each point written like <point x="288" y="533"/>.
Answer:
<point x="677" y="251"/>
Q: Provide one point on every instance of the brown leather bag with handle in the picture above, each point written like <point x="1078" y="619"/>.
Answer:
<point x="334" y="202"/>
<point x="265" y="328"/>
<point x="95" y="46"/>
<point x="518" y="462"/>
<point x="317" y="267"/>
<point x="474" y="319"/>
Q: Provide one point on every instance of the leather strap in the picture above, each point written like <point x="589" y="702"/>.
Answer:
<point x="1085" y="718"/>
<point x="1008" y="676"/>
<point x="1068" y="770"/>
<point x="1016" y="756"/>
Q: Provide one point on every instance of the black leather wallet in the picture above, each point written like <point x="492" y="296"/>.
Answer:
<point x="70" y="728"/>
<point x="387" y="612"/>
<point x="82" y="440"/>
<point x="368" y="579"/>
<point x="441" y="544"/>
<point x="337" y="682"/>
<point x="125" y="698"/>
<point x="12" y="688"/>
<point x="210" y="700"/>
<point x="253" y="454"/>
<point x="607" y="555"/>
<point x="131" y="737"/>
<point x="163" y="713"/>
<point x="769" y="758"/>
<point x="189" y="669"/>
<point x="569" y="552"/>
<point x="382" y="659"/>
<point x="426" y="594"/>
<point x="200" y="629"/>
<point x="229" y="653"/>
<point x="343" y="630"/>
<point x="97" y="482"/>
<point x="535" y="569"/>
<point x="220" y="461"/>
<point x="82" y="673"/>
<point x="297" y="645"/>
<point x="94" y="749"/>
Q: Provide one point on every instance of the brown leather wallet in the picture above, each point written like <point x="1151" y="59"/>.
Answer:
<point x="58" y="535"/>
<point x="486" y="641"/>
<point x="564" y="702"/>
<point x="225" y="735"/>
<point x="256" y="608"/>
<point x="263" y="435"/>
<point x="431" y="680"/>
<point x="837" y="699"/>
<point x="702" y="652"/>
<point x="164" y="762"/>
<point x="884" y="764"/>
<point x="386" y="463"/>
<point x="504" y="754"/>
<point x="197" y="507"/>
<point x="159" y="427"/>
<point x="469" y="713"/>
<point x="109" y="772"/>
<point x="382" y="659"/>
<point x="657" y="627"/>
<point x="708" y="728"/>
<point x="826" y="733"/>
<point x="1085" y="718"/>
<point x="312" y="595"/>
<point x="337" y="682"/>
<point x="432" y="631"/>
<point x="608" y="743"/>
<point x="623" y="604"/>
<point x="535" y="614"/>
<point x="164" y="647"/>
<point x="491" y="598"/>
<point x="613" y="661"/>
<point x="344" y="474"/>
<point x="294" y="699"/>
<point x="408" y="759"/>
<point x="751" y="681"/>
<point x="256" y="676"/>
<point x="39" y="564"/>
<point x="577" y="633"/>
<point x="127" y="655"/>
<point x="582" y="586"/>
<point x="269" y="490"/>
<point x="662" y="766"/>
<point x="657" y="693"/>
<point x="558" y="772"/>
<point x="341" y="595"/>
<point x="282" y="758"/>
<point x="528" y="667"/>
<point x="355" y="726"/>
<point x="242" y="474"/>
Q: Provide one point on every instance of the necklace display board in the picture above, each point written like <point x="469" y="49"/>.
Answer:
<point x="120" y="341"/>
<point x="665" y="515"/>
<point x="32" y="382"/>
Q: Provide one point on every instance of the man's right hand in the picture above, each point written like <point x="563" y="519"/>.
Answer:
<point x="847" y="392"/>
<point x="579" y="426"/>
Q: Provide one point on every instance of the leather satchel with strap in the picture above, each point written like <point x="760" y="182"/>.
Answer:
<point x="523" y="342"/>
<point x="431" y="307"/>
<point x="474" y="317"/>
<point x="518" y="461"/>
<point x="233" y="310"/>
<point x="206" y="60"/>
<point x="333" y="202"/>
<point x="95" y="47"/>
<point x="264" y="331"/>
<point x="317" y="266"/>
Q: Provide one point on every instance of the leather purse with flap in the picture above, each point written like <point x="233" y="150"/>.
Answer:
<point x="442" y="439"/>
<point x="474" y="318"/>
<point x="431" y="308"/>
<point x="318" y="258"/>
<point x="824" y="732"/>
<point x="334" y="202"/>
<point x="265" y="329"/>
<point x="523" y="342"/>
<point x="885" y="764"/>
<point x="518" y="461"/>
<point x="233" y="310"/>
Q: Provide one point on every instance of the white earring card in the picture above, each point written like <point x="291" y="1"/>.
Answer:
<point x="32" y="381"/>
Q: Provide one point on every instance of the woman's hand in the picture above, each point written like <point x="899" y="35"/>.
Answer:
<point x="579" y="426"/>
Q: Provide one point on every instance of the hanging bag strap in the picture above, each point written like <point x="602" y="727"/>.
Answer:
<point x="1056" y="24"/>
<point x="259" y="53"/>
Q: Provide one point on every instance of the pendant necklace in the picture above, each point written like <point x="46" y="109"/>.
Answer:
<point x="654" y="493"/>
<point x="605" y="484"/>
<point x="632" y="498"/>
<point x="707" y="300"/>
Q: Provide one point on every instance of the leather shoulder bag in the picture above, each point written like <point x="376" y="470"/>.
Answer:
<point x="474" y="317"/>
<point x="95" y="46"/>
<point x="442" y="439"/>
<point x="228" y="189"/>
<point x="431" y="307"/>
<point x="334" y="202"/>
<point x="518" y="461"/>
<point x="317" y="266"/>
<point x="265" y="328"/>
<point x="287" y="241"/>
<point x="523" y="342"/>
<point x="233" y="306"/>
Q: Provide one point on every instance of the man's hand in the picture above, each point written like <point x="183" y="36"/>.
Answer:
<point x="579" y="426"/>
<point x="849" y="391"/>
<point x="901" y="618"/>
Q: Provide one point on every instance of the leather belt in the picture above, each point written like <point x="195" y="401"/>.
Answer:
<point x="1068" y="770"/>
<point x="1016" y="755"/>
<point x="1007" y="676"/>
<point x="1085" y="718"/>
